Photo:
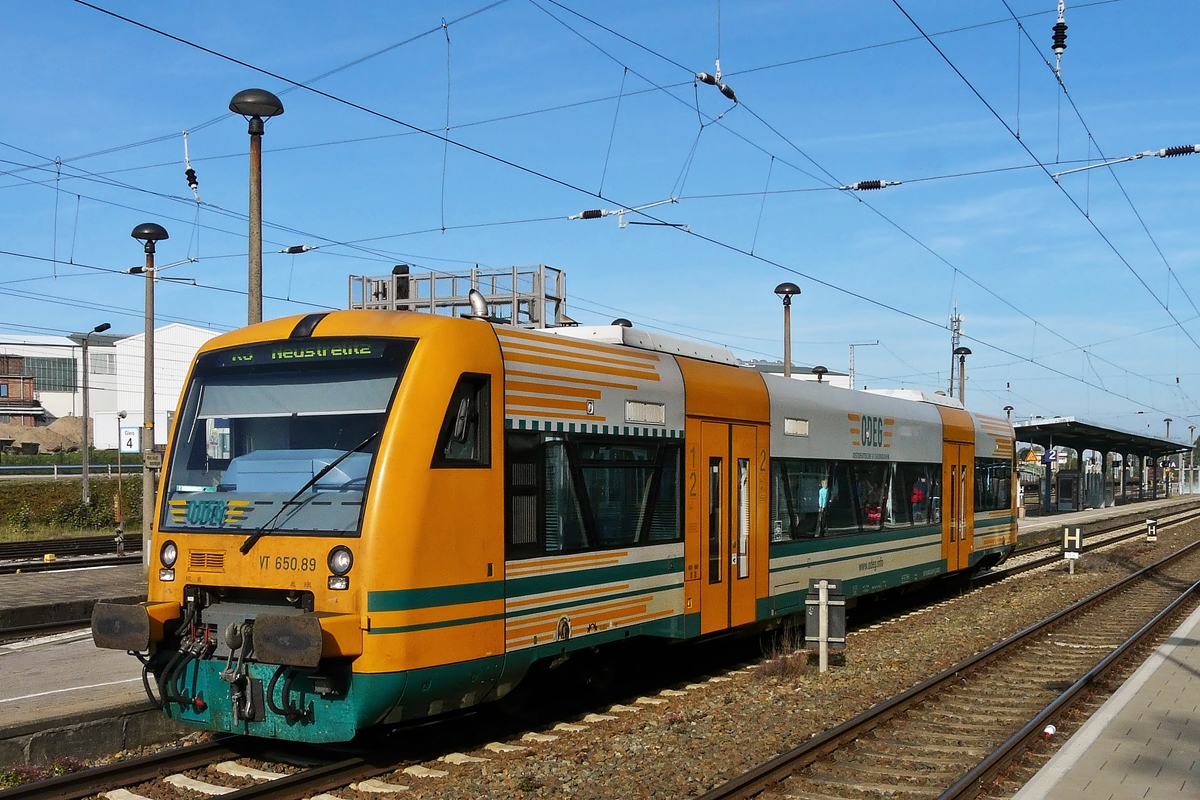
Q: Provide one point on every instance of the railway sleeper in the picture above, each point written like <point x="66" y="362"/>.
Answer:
<point x="946" y="744"/>
<point x="888" y="790"/>
<point x="867" y="763"/>
<point x="979" y="724"/>
<point x="886" y="755"/>
<point x="993" y="708"/>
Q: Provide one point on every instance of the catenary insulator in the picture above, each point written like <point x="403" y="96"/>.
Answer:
<point x="1182" y="150"/>
<point x="1060" y="37"/>
<point x="704" y="77"/>
<point x="192" y="181"/>
<point x="594" y="213"/>
<point x="725" y="90"/>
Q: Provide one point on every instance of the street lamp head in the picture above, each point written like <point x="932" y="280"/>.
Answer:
<point x="819" y="371"/>
<point x="148" y="233"/>
<point x="121" y="415"/>
<point x="962" y="351"/>
<point x="254" y="104"/>
<point x="785" y="292"/>
<point x="621" y="322"/>
<point x="101" y="328"/>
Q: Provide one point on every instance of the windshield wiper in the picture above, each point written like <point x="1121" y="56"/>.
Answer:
<point x="266" y="528"/>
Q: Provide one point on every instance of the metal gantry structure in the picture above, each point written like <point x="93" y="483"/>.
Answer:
<point x="527" y="297"/>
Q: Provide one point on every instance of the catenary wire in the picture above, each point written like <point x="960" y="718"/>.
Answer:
<point x="565" y="184"/>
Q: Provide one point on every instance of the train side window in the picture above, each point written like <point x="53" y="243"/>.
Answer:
<point x="522" y="495"/>
<point x="714" y="520"/>
<point x="799" y="494"/>
<point x="566" y="494"/>
<point x="466" y="433"/>
<point x="993" y="484"/>
<point x="564" y="517"/>
<point x="870" y="492"/>
<point x="666" y="521"/>
<point x="841" y="511"/>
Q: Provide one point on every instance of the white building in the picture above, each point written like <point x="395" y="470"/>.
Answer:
<point x="114" y="377"/>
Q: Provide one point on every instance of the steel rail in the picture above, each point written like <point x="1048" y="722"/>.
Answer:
<point x="314" y="781"/>
<point x="130" y="557"/>
<point x="1169" y="518"/>
<point x="994" y="576"/>
<point x="765" y="775"/>
<point x="970" y="784"/>
<point x="72" y="546"/>
<point x="120" y="774"/>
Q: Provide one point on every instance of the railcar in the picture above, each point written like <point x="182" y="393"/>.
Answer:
<point x="370" y="516"/>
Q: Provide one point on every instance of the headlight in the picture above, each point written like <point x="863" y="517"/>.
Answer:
<point x="168" y="554"/>
<point x="340" y="560"/>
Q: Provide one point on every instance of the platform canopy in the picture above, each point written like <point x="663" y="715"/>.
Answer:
<point x="1080" y="435"/>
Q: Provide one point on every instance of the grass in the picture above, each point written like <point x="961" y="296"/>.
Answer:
<point x="22" y="774"/>
<point x="48" y="509"/>
<point x="36" y="532"/>
<point x="784" y="652"/>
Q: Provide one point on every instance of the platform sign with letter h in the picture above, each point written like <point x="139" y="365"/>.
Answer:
<point x="1072" y="545"/>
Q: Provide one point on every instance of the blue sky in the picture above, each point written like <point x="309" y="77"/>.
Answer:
<point x="1072" y="304"/>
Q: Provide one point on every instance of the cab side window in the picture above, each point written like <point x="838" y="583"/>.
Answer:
<point x="465" y="438"/>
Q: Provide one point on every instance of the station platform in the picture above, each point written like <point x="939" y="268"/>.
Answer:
<point x="35" y="598"/>
<point x="1144" y="742"/>
<point x="1031" y="530"/>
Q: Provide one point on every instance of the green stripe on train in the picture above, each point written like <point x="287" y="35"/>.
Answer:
<point x="841" y="541"/>
<point x="540" y="584"/>
<point x="792" y="601"/>
<point x="437" y="596"/>
<point x="848" y="558"/>
<point x="413" y="599"/>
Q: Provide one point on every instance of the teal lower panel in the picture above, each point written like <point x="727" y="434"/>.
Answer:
<point x="356" y="702"/>
<point x="449" y="687"/>
<point x="789" y="602"/>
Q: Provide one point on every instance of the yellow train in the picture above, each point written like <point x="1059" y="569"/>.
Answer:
<point x="373" y="516"/>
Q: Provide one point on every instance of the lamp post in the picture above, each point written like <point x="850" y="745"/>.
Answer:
<point x="119" y="506"/>
<point x="101" y="328"/>
<point x="254" y="104"/>
<point x="962" y="353"/>
<point x="1192" y="459"/>
<point x="148" y="233"/>
<point x="1168" y="420"/>
<point x="785" y="292"/>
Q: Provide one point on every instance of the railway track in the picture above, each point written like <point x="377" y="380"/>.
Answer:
<point x="212" y="766"/>
<point x="202" y="768"/>
<point x="29" y="556"/>
<point x="1040" y="555"/>
<point x="947" y="737"/>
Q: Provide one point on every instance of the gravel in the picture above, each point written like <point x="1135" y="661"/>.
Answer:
<point x="717" y="730"/>
<point x="711" y="730"/>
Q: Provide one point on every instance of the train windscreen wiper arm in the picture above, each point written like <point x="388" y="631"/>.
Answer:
<point x="266" y="528"/>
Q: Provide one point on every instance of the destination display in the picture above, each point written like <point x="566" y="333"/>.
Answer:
<point x="310" y="351"/>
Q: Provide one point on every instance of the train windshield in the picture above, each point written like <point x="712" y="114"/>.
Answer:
<point x="259" y="423"/>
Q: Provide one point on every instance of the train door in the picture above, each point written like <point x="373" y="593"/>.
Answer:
<point x="958" y="503"/>
<point x="724" y="476"/>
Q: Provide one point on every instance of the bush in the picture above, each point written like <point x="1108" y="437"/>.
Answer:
<point x="25" y="504"/>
